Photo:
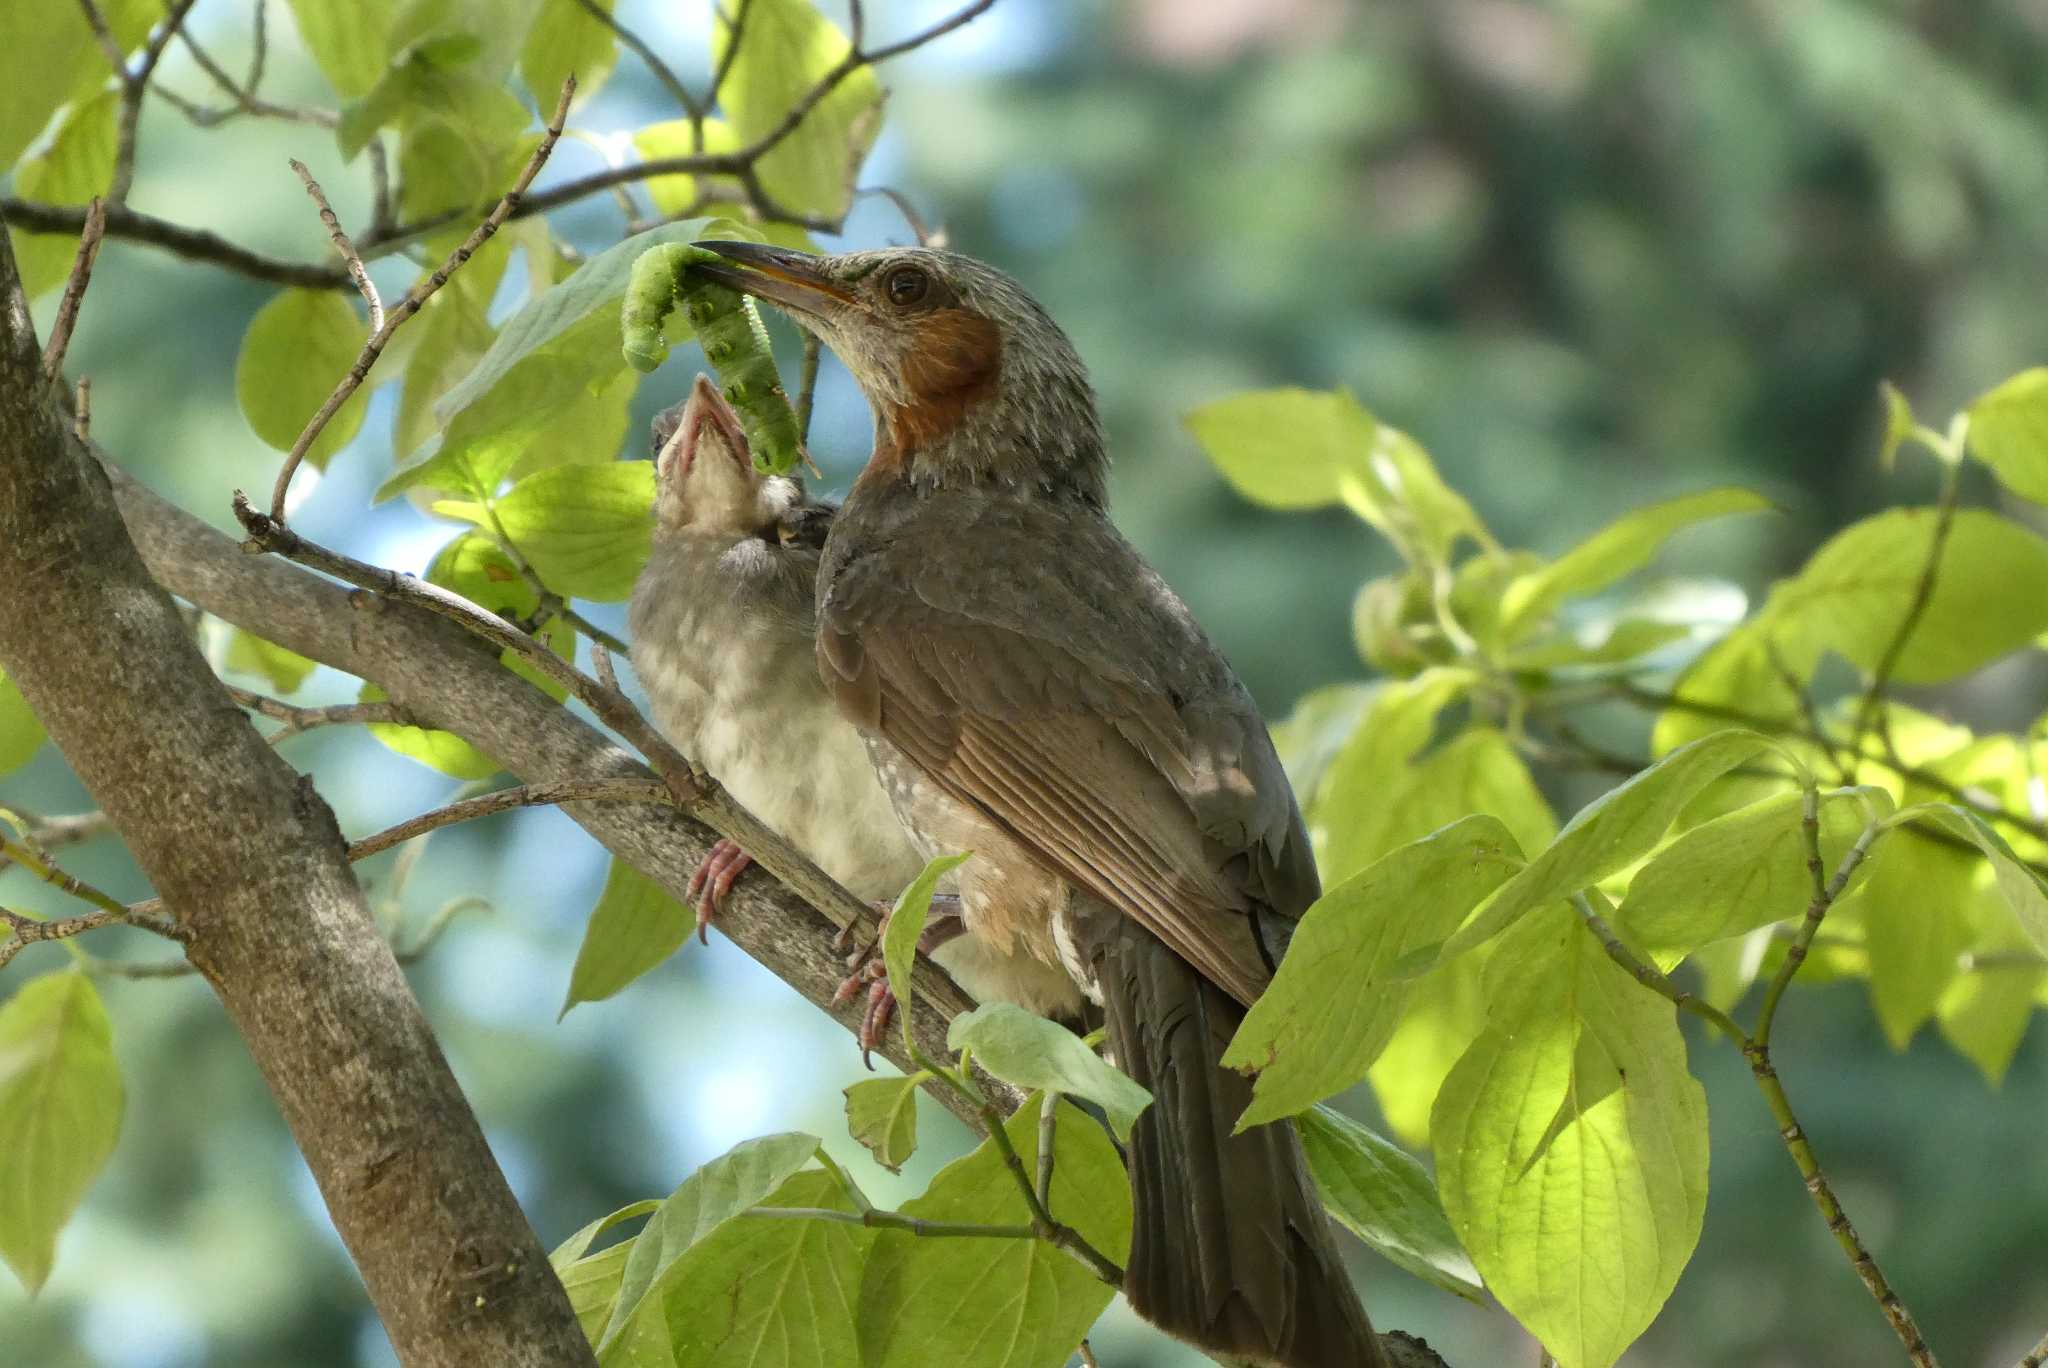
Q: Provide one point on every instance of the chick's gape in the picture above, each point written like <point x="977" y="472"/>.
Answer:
<point x="1032" y="691"/>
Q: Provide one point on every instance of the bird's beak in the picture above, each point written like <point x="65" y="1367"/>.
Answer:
<point x="793" y="280"/>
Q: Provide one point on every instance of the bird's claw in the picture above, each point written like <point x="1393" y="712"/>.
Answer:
<point x="866" y="970"/>
<point x="713" y="880"/>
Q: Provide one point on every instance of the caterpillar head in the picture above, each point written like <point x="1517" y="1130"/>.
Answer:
<point x="704" y="475"/>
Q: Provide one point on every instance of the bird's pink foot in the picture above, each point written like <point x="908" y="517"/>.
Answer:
<point x="866" y="971"/>
<point x="713" y="880"/>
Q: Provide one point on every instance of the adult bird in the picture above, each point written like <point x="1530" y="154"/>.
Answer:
<point x="1034" y="692"/>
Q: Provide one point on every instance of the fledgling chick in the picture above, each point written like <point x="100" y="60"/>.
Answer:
<point x="722" y="621"/>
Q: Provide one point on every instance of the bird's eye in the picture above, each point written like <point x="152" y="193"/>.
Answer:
<point x="906" y="285"/>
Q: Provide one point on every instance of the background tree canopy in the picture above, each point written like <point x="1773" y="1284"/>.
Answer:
<point x="1591" y="257"/>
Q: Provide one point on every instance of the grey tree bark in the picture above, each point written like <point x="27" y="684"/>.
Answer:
<point x="249" y="860"/>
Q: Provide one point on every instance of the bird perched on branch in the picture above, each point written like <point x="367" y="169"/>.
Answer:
<point x="1037" y="694"/>
<point x="722" y="625"/>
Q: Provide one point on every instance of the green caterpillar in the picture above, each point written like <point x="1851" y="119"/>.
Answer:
<point x="734" y="343"/>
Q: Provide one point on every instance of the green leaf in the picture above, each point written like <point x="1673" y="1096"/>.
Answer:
<point x="1333" y="1006"/>
<point x="925" y="1302"/>
<point x="76" y="165"/>
<point x="441" y="750"/>
<point x="1739" y="871"/>
<point x="1737" y="672"/>
<point x="21" y="735"/>
<point x="252" y="655"/>
<point x="674" y="138"/>
<point x="1446" y="1012"/>
<point x="1987" y="1008"/>
<point x="593" y="1287"/>
<point x="454" y="332"/>
<point x="633" y="928"/>
<point x="296" y="351"/>
<point x="1917" y="906"/>
<point x="1851" y="597"/>
<point x="786" y="47"/>
<point x="1623" y="546"/>
<point x="1572" y="1144"/>
<point x="586" y="530"/>
<point x="60" y="1113"/>
<point x="1026" y="1049"/>
<point x="771" y="1292"/>
<point x="1348" y="815"/>
<point x="881" y="1113"/>
<point x="2024" y="891"/>
<point x="2009" y="433"/>
<point x="48" y="56"/>
<point x="1310" y="737"/>
<point x="714" y="1195"/>
<point x="351" y="41"/>
<point x="559" y="347"/>
<point x="573" y="1249"/>
<point x="1610" y="833"/>
<point x="1621" y="643"/>
<point x="906" y="924"/>
<point x="1899" y="424"/>
<point x="474" y="566"/>
<point x="566" y="39"/>
<point x="1384" y="1196"/>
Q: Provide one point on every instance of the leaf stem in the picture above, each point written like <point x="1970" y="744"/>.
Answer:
<point x="1870" y="713"/>
<point x="878" y="1218"/>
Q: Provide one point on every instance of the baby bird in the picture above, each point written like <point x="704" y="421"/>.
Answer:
<point x="722" y="621"/>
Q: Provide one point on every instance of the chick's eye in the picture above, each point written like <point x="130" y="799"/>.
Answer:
<point x="906" y="285"/>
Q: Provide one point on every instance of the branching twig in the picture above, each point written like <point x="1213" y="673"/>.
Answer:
<point x="1824" y="895"/>
<point x="877" y="1218"/>
<point x="1870" y="713"/>
<point x="74" y="289"/>
<point x="646" y="54"/>
<point x="134" y="86"/>
<point x="336" y="234"/>
<point x="422" y="290"/>
<point x="504" y="800"/>
<point x="297" y="719"/>
<point x="194" y="244"/>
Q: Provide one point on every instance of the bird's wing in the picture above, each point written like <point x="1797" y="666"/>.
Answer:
<point x="1072" y="697"/>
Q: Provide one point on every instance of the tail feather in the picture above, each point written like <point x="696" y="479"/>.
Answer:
<point x="1230" y="1249"/>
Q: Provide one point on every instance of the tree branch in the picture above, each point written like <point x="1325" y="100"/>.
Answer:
<point x="251" y="860"/>
<point x="194" y="244"/>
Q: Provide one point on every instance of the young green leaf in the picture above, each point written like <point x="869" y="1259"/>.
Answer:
<point x="634" y="927"/>
<point x="1608" y="834"/>
<point x="906" y="924"/>
<point x="47" y="56"/>
<point x="674" y="138"/>
<point x="881" y="1113"/>
<point x="1986" y="1010"/>
<point x="1285" y="448"/>
<point x="1739" y="871"/>
<point x="1024" y="1048"/>
<point x="297" y="349"/>
<point x="476" y="567"/>
<point x="1446" y="1012"/>
<point x="2024" y="891"/>
<point x="252" y="655"/>
<point x="586" y="530"/>
<point x="925" y="1302"/>
<point x="60" y="1112"/>
<point x="573" y="1249"/>
<point x="441" y="750"/>
<point x="1918" y="908"/>
<point x="1737" y="672"/>
<point x="785" y="48"/>
<point x="1572" y="1144"/>
<point x="1334" y="1004"/>
<point x="2009" y="433"/>
<point x="710" y="1198"/>
<point x="351" y="43"/>
<point x="72" y="169"/>
<point x="566" y="39"/>
<point x="770" y="1292"/>
<point x="1384" y="1196"/>
<point x="1623" y="546"/>
<point x="21" y="735"/>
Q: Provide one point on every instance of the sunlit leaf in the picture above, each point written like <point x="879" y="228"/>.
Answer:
<point x="989" y="1302"/>
<point x="75" y="166"/>
<point x="47" y="56"/>
<point x="566" y="39"/>
<point x="21" y="735"/>
<point x="1918" y="917"/>
<point x="785" y="48"/>
<point x="1899" y="423"/>
<point x="906" y="924"/>
<point x="1024" y="1048"/>
<point x="1334" y="1004"/>
<point x="586" y="530"/>
<point x="60" y="1112"/>
<point x="2009" y="433"/>
<point x="1623" y="546"/>
<point x="441" y="750"/>
<point x="673" y="194"/>
<point x="1987" y="1008"/>
<point x="635" y="926"/>
<point x="474" y="566"/>
<point x="297" y="349"/>
<point x="1446" y="1012"/>
<point x="572" y="1249"/>
<point x="350" y="41"/>
<point x="2024" y="891"/>
<point x="1386" y="1198"/>
<point x="1572" y="1144"/>
<point x="251" y="654"/>
<point x="1285" y="448"/>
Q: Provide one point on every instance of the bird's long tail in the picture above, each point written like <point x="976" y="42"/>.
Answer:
<point x="1230" y="1249"/>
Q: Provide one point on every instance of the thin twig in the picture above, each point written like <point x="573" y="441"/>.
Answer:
<point x="1087" y="1353"/>
<point x="504" y="800"/>
<point x="134" y="86"/>
<point x="25" y="930"/>
<point x="549" y="604"/>
<point x="339" y="237"/>
<point x="54" y="833"/>
<point x="297" y="719"/>
<point x="735" y="32"/>
<point x="878" y="1218"/>
<point x="1870" y="713"/>
<point x="1824" y="897"/>
<point x="103" y="34"/>
<point x="1048" y="1120"/>
<point x="646" y="54"/>
<point x="74" y="289"/>
<point x="2035" y="1356"/>
<point x="193" y="244"/>
<point x="422" y="290"/>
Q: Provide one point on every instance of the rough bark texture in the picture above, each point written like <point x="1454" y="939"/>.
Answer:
<point x="248" y="857"/>
<point x="445" y="677"/>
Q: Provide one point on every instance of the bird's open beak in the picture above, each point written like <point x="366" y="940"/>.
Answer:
<point x="780" y="276"/>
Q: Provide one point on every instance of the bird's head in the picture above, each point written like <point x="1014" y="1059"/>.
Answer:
<point x="704" y="475"/>
<point x="970" y="379"/>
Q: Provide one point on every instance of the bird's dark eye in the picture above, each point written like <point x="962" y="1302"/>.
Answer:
<point x="906" y="285"/>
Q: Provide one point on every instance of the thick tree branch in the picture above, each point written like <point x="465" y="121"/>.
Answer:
<point x="251" y="860"/>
